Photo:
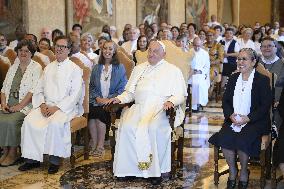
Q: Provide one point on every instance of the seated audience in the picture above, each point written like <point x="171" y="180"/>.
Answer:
<point x="56" y="100"/>
<point x="86" y="54"/>
<point x="142" y="45"/>
<point x="101" y="42"/>
<point x="202" y="36"/>
<point x="216" y="53"/>
<point x="182" y="42"/>
<point x="278" y="157"/>
<point x="246" y="104"/>
<point x="175" y="33"/>
<point x="20" y="33"/>
<point x="257" y="38"/>
<point x="275" y="65"/>
<point x="44" y="44"/>
<point x="77" y="28"/>
<point x="131" y="44"/>
<point x="33" y="39"/>
<point x="245" y="40"/>
<point x="3" y="44"/>
<point x="16" y="96"/>
<point x="108" y="80"/>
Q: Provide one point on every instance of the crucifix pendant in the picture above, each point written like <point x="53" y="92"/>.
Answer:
<point x="106" y="78"/>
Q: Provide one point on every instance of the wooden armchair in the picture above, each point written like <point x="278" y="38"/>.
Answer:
<point x="49" y="54"/>
<point x="4" y="67"/>
<point x="11" y="55"/>
<point x="141" y="57"/>
<point x="121" y="49"/>
<point x="81" y="123"/>
<point x="39" y="60"/>
<point x="182" y="61"/>
<point x="264" y="160"/>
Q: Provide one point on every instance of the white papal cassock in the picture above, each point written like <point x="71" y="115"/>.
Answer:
<point x="200" y="82"/>
<point x="61" y="86"/>
<point x="144" y="128"/>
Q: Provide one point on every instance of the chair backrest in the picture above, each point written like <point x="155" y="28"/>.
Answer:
<point x="141" y="57"/>
<point x="176" y="56"/>
<point x="128" y="63"/>
<point x="261" y="69"/>
<point x="122" y="50"/>
<point x="40" y="61"/>
<point x="11" y="55"/>
<point x="4" y="67"/>
<point x="49" y="54"/>
<point x="86" y="78"/>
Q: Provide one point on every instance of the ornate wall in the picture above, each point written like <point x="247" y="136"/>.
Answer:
<point x="40" y="13"/>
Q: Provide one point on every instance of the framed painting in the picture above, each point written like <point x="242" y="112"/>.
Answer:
<point x="196" y="11"/>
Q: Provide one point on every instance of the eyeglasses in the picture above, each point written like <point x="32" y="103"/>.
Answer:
<point x="61" y="47"/>
<point x="239" y="59"/>
<point x="267" y="46"/>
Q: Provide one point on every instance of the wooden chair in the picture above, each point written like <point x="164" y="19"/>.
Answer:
<point x="49" y="54"/>
<point x="141" y="57"/>
<point x="39" y="60"/>
<point x="274" y="179"/>
<point x="265" y="155"/>
<point x="121" y="49"/>
<point x="126" y="61"/>
<point x="81" y="123"/>
<point x="11" y="55"/>
<point x="181" y="61"/>
<point x="4" y="67"/>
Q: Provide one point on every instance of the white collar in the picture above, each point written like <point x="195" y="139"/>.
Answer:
<point x="269" y="62"/>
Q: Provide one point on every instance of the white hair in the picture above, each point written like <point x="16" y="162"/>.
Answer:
<point x="87" y="35"/>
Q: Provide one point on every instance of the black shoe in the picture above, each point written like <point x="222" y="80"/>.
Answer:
<point x="127" y="178"/>
<point x="53" y="169"/>
<point x="29" y="166"/>
<point x="242" y="185"/>
<point x="231" y="184"/>
<point x="195" y="111"/>
<point x="156" y="180"/>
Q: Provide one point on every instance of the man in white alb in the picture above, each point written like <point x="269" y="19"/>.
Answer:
<point x="200" y="80"/>
<point x="56" y="101"/>
<point x="143" y="144"/>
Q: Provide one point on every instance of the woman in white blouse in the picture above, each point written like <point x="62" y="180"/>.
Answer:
<point x="108" y="80"/>
<point x="245" y="41"/>
<point x="16" y="96"/>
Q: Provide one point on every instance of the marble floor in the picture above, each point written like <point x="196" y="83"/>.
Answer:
<point x="197" y="172"/>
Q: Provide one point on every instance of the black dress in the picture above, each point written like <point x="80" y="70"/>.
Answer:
<point x="278" y="156"/>
<point x="249" y="139"/>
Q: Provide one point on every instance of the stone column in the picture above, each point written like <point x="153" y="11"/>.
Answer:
<point x="236" y="12"/>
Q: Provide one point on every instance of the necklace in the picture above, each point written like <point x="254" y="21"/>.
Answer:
<point x="244" y="85"/>
<point x="106" y="74"/>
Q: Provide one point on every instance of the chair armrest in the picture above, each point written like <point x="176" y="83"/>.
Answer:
<point x="113" y="108"/>
<point x="265" y="141"/>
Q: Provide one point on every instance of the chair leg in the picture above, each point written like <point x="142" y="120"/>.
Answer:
<point x="273" y="178"/>
<point x="173" y="160"/>
<point x="216" y="171"/>
<point x="112" y="146"/>
<point x="268" y="165"/>
<point x="262" y="166"/>
<point x="86" y="143"/>
<point x="180" y="151"/>
<point x="72" y="158"/>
